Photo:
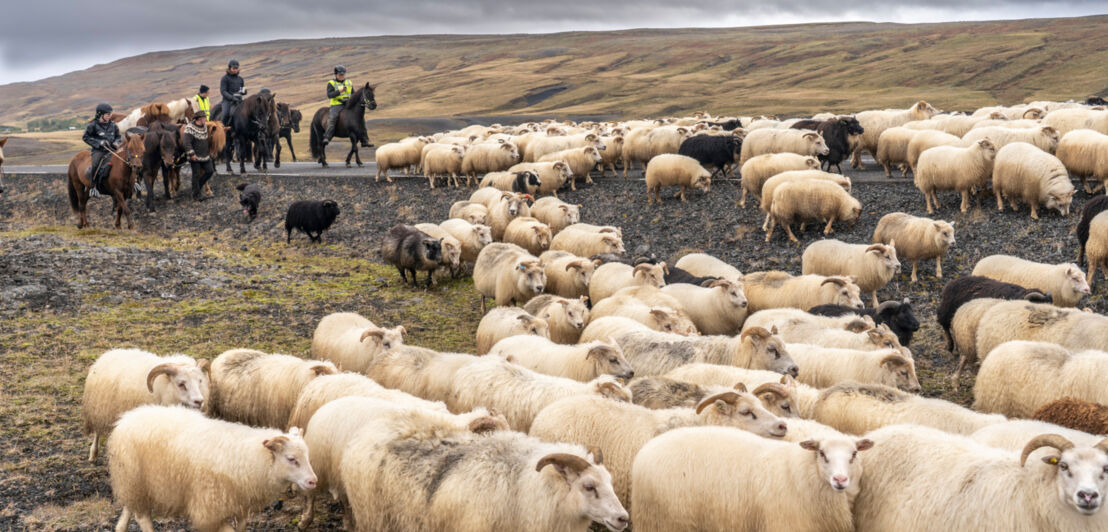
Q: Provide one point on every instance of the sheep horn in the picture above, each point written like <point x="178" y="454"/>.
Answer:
<point x="756" y="332"/>
<point x="720" y="282"/>
<point x="894" y="359"/>
<point x="739" y="387"/>
<point x="774" y="388"/>
<point x="876" y="247"/>
<point x="1046" y="440"/>
<point x="837" y="280"/>
<point x="643" y="268"/>
<point x="597" y="454"/>
<point x="168" y="370"/>
<point x="886" y="306"/>
<point x="574" y="264"/>
<point x="564" y="461"/>
<point x="727" y="397"/>
<point x="379" y="333"/>
<point x="486" y="424"/>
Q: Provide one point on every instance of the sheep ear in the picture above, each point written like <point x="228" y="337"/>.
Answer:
<point x="565" y="208"/>
<point x="740" y="387"/>
<point x="810" y="445"/>
<point x="169" y="370"/>
<point x="858" y="325"/>
<point x="864" y="444"/>
<point x="658" y="313"/>
<point x="596" y="454"/>
<point x="203" y="364"/>
<point x="400" y="329"/>
<point x="524" y="318"/>
<point x="323" y="369"/>
<point x="613" y="391"/>
<point x="375" y="332"/>
<point x="567" y="465"/>
<point x="294" y="431"/>
<point x="276" y="445"/>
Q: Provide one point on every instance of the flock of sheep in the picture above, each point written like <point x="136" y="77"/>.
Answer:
<point x="685" y="396"/>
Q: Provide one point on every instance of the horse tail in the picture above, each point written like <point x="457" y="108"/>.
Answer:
<point x="315" y="142"/>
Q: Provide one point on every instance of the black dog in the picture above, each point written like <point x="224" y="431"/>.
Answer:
<point x="310" y="217"/>
<point x="249" y="197"/>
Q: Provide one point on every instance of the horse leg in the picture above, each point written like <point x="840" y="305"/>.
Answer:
<point x="148" y="178"/>
<point x="277" y="154"/>
<point x="292" y="151"/>
<point x="166" y="178"/>
<point x="357" y="156"/>
<point x="353" y="150"/>
<point x="243" y="148"/>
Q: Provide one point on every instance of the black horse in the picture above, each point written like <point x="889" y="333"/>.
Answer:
<point x="351" y="124"/>
<point x="249" y="133"/>
<point x="289" y="120"/>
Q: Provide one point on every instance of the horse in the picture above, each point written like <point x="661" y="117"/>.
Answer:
<point x="248" y="129"/>
<point x="125" y="165"/>
<point x="290" y="122"/>
<point x="4" y="141"/>
<point x="182" y="110"/>
<point x="143" y="116"/>
<point x="159" y="153"/>
<point x="273" y="139"/>
<point x="351" y="124"/>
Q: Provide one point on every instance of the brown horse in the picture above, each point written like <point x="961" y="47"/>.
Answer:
<point x="126" y="164"/>
<point x="160" y="153"/>
<point x="3" y="141"/>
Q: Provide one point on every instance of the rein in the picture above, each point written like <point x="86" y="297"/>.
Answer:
<point x="120" y="157"/>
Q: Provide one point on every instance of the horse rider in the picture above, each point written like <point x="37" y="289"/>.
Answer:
<point x="339" y="91"/>
<point x="233" y="89"/>
<point x="195" y="142"/>
<point x="201" y="100"/>
<point x="101" y="135"/>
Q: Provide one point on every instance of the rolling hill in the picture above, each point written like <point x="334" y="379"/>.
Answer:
<point x="794" y="69"/>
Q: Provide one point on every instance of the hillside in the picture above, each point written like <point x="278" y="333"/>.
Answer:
<point x="774" y="69"/>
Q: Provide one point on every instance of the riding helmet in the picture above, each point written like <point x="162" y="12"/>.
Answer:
<point x="234" y="63"/>
<point x="103" y="109"/>
<point x="340" y="70"/>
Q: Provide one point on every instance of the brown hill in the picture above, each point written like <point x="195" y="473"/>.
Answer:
<point x="776" y="69"/>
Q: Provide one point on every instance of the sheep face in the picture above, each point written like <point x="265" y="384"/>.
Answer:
<point x="290" y="459"/>
<point x="184" y="384"/>
<point x="742" y="410"/>
<point x="564" y="170"/>
<point x="511" y="150"/>
<point x="593" y="154"/>
<point x="572" y="214"/>
<point x="812" y="163"/>
<point x="614" y="244"/>
<point x="577" y="312"/>
<point x="532" y="278"/>
<point x="776" y="398"/>
<point x="818" y="145"/>
<point x="841" y="291"/>
<point x="533" y="180"/>
<point x="582" y="269"/>
<point x="515" y="204"/>
<point x="852" y="126"/>
<point x="650" y="274"/>
<point x="734" y="292"/>
<point x="385" y="339"/>
<point x="1060" y="201"/>
<point x="767" y="351"/>
<point x="837" y="459"/>
<point x="590" y="489"/>
<point x="451" y="253"/>
<point x="1081" y="477"/>
<point x="899" y="372"/>
<point x="703" y="182"/>
<point x="882" y="337"/>
<point x="942" y="234"/>
<point x="542" y="236"/>
<point x="667" y="320"/>
<point x="1076" y="282"/>
<point x="609" y="360"/>
<point x="483" y="234"/>
<point x="533" y="326"/>
<point x="885" y="255"/>
<point x="987" y="148"/>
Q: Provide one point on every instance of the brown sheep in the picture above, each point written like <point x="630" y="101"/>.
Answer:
<point x="1075" y="414"/>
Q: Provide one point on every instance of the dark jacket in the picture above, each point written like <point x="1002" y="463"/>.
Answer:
<point x="230" y="85"/>
<point x="97" y="132"/>
<point x="195" y="142"/>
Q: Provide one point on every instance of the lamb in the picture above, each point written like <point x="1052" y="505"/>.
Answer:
<point x="916" y="238"/>
<point x="586" y="243"/>
<point x="719" y="151"/>
<point x="442" y="160"/>
<point x="250" y="195"/>
<point x="1023" y="172"/>
<point x="528" y="233"/>
<point x="508" y="274"/>
<point x="488" y="157"/>
<point x="774" y="289"/>
<point x="581" y="161"/>
<point x="621" y="429"/>
<point x="705" y="265"/>
<point x="1084" y="152"/>
<point x="1076" y="414"/>
<point x="565" y="317"/>
<point x="523" y="483"/>
<point x="611" y="277"/>
<point x="720" y="308"/>
<point x="556" y="213"/>
<point x="860" y="408"/>
<point x="223" y="475"/>
<point x="580" y="362"/>
<point x="551" y="175"/>
<point x="805" y="486"/>
<point x="892" y="148"/>
<point x="876" y="122"/>
<point x="327" y="388"/>
<point x="925" y="140"/>
<point x="657" y="353"/>
<point x="870" y="267"/>
<point x="967" y="288"/>
<point x="896" y="315"/>
<point x="612" y="152"/>
<point x="567" y="275"/>
<point x="1018" y="377"/>
<point x="472" y="238"/>
<point x="758" y="169"/>
<point x="503" y="322"/>
<point x="472" y="212"/>
<point x="794" y="176"/>
<point x="310" y="217"/>
<point x="925" y="480"/>
<point x="1045" y="138"/>
<point x="822" y="367"/>
<point x="420" y="372"/>
<point x="403" y="154"/>
<point x="814" y="200"/>
<point x="451" y="247"/>
<point x="351" y="341"/>
<point x="1064" y="282"/>
<point x="801" y="400"/>
<point x="953" y="168"/>
<point x="122" y="379"/>
<point x="523" y="182"/>
<point x="409" y="249"/>
<point x="260" y="389"/>
<point x="1092" y="209"/>
<point x="799" y="141"/>
<point x="519" y="393"/>
<point x="674" y="170"/>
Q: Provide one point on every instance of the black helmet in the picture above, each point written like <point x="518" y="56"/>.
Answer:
<point x="340" y="69"/>
<point x="103" y="109"/>
<point x="234" y="63"/>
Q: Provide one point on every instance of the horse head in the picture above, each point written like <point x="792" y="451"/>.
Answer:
<point x="296" y="116"/>
<point x="134" y="144"/>
<point x="369" y="101"/>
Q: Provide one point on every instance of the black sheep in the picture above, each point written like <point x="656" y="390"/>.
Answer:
<point x="408" y="248"/>
<point x="605" y="258"/>
<point x="897" y="315"/>
<point x="964" y="289"/>
<point x="525" y="181"/>
<point x="675" y="275"/>
<point x="836" y="134"/>
<point x="249" y="197"/>
<point x="718" y="151"/>
<point x="1095" y="100"/>
<point x="727" y="125"/>
<point x="1092" y="208"/>
<point x="310" y="217"/>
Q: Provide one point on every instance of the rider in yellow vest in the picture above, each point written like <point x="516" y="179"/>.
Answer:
<point x="202" y="103"/>
<point x="339" y="91"/>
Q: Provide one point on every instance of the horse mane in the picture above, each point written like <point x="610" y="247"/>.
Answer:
<point x="356" y="98"/>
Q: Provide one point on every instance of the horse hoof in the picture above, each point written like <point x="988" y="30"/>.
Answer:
<point x="276" y="165"/>
<point x="360" y="165"/>
<point x="348" y="165"/>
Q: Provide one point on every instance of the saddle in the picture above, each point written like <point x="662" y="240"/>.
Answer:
<point x="101" y="176"/>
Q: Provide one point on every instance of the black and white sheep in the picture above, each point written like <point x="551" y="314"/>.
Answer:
<point x="897" y="315"/>
<point x="410" y="249"/>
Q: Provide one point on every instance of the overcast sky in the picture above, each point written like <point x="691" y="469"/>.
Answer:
<point x="44" y="38"/>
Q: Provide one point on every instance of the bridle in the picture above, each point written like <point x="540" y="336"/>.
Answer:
<point x="137" y="168"/>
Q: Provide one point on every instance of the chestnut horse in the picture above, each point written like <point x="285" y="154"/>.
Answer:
<point x="126" y="164"/>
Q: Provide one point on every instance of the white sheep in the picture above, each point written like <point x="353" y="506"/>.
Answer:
<point x="795" y="176"/>
<point x="567" y="275"/>
<point x="540" y="146"/>
<point x="351" y="341"/>
<point x="822" y="367"/>
<point x="859" y="335"/>
<point x="552" y="174"/>
<point x="581" y="161"/>
<point x="775" y="289"/>
<point x="721" y="478"/>
<point x="876" y="122"/>
<point x="488" y="157"/>
<point x="472" y="212"/>
<point x="409" y="479"/>
<point x="916" y="238"/>
<point x="870" y="267"/>
<point x="925" y="140"/>
<point x="1065" y="282"/>
<point x="327" y="388"/>
<point x="1024" y="172"/>
<point x="1084" y="152"/>
<point x="800" y="141"/>
<point x="587" y="243"/>
<point x="507" y="273"/>
<point x="502" y="322"/>
<point x="404" y="154"/>
<point x="799" y="323"/>
<point x="643" y="144"/>
<point x="260" y="389"/>
<point x="174" y="462"/>
<point x="811" y="201"/>
<point x="611" y="277"/>
<point x="657" y="353"/>
<point x="1019" y="377"/>
<point x="928" y="481"/>
<point x="952" y="168"/>
<point x="612" y="152"/>
<point x="719" y="308"/>
<point x="451" y="247"/>
<point x="505" y="209"/>
<point x="670" y="170"/>
<point x="418" y="371"/>
<point x="803" y="397"/>
<point x="659" y="393"/>
<point x="621" y="429"/>
<point x="963" y="333"/>
<point x="556" y="213"/>
<point x="472" y="237"/>
<point x="1066" y="120"/>
<point x="528" y="233"/>
<point x="1044" y="138"/>
<point x="859" y="408"/>
<point x="442" y="160"/>
<point x="705" y="265"/>
<point x="1097" y="247"/>
<point x="892" y="148"/>
<point x="1015" y="433"/>
<point x="122" y="379"/>
<point x="565" y="317"/>
<point x="580" y="362"/>
<point x="758" y="169"/>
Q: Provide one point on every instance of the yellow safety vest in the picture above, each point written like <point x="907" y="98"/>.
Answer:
<point x="203" y="105"/>
<point x="347" y="90"/>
